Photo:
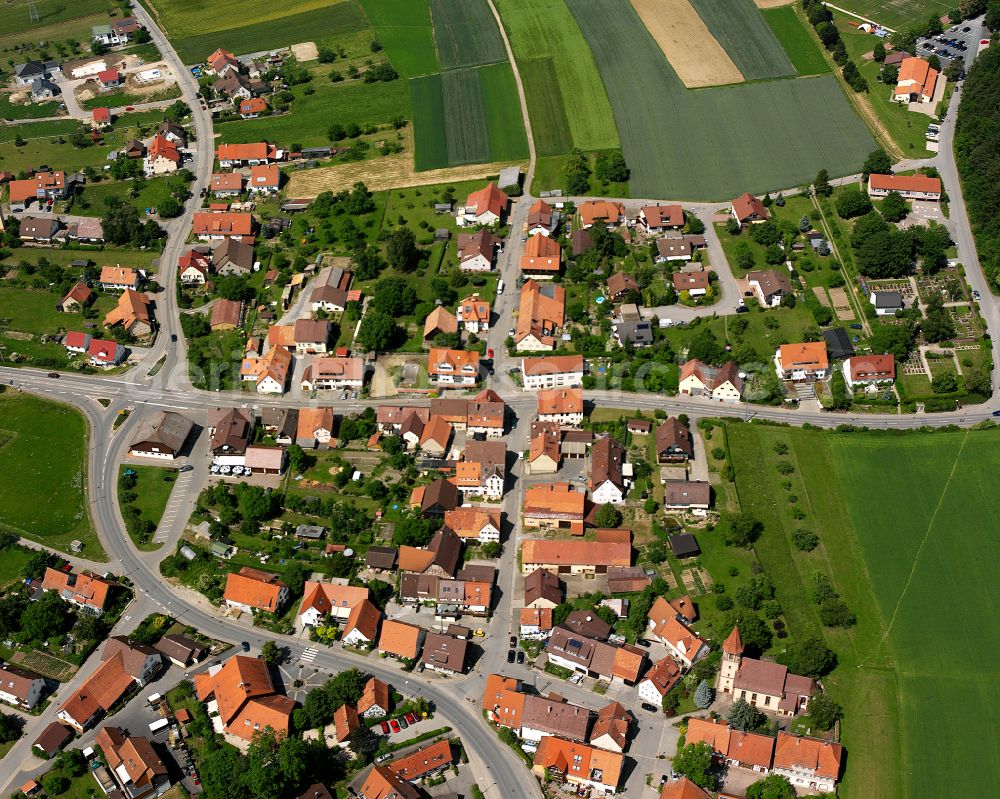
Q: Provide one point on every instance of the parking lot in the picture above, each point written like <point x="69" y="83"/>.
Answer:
<point x="955" y="42"/>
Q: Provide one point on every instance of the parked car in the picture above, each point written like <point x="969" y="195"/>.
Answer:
<point x="513" y="640"/>
<point x="245" y="645"/>
<point x="385" y="727"/>
<point x="403" y="722"/>
<point x="383" y="758"/>
<point x="395" y="725"/>
<point x="510" y="655"/>
<point x="520" y="656"/>
<point x="187" y="467"/>
<point x="173" y="337"/>
<point x="650" y="708"/>
<point x="411" y="717"/>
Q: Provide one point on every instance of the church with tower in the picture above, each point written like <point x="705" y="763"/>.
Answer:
<point x="765" y="685"/>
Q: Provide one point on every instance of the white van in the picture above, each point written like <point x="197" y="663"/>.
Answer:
<point x="159" y="725"/>
<point x="500" y="287"/>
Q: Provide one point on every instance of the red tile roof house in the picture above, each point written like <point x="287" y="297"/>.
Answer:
<point x="909" y="187"/>
<point x="226" y="184"/>
<point x="76" y="299"/>
<point x="668" y="626"/>
<point x="252" y="107"/>
<point x="209" y="226"/>
<point x="234" y="155"/>
<point x="658" y="218"/>
<point x="20" y="687"/>
<point x="748" y="210"/>
<point x="808" y="763"/>
<point x="52" y="739"/>
<point x="264" y="179"/>
<point x="106" y="353"/>
<point x="477" y="251"/>
<point x="486" y="206"/>
<point x="133" y="763"/>
<point x="869" y="370"/>
<point x="87" y="592"/>
<point x="102" y="117"/>
<point x="98" y="694"/>
<point x="252" y="589"/>
<point x="244" y="695"/>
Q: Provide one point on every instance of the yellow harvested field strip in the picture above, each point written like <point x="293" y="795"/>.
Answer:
<point x="378" y="174"/>
<point x="773" y="3"/>
<point x="694" y="53"/>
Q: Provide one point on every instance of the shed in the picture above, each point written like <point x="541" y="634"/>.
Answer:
<point x="684" y="545"/>
<point x="838" y="343"/>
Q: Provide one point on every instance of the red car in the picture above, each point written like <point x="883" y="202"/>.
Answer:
<point x="411" y="718"/>
<point x="385" y="727"/>
<point x="489" y="353"/>
<point x="395" y="725"/>
<point x="130" y="108"/>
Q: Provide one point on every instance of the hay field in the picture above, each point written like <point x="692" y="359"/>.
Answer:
<point x="694" y="53"/>
<point x="714" y="143"/>
<point x="380" y="174"/>
<point x="182" y="18"/>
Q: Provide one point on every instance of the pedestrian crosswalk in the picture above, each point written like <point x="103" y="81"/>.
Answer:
<point x="309" y="655"/>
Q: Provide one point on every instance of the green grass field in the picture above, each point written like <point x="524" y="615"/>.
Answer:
<point x="712" y="144"/>
<point x="154" y="191"/>
<point x="313" y="114"/>
<point x="464" y="118"/>
<point x="197" y="28"/>
<point x="801" y="46"/>
<point x="541" y="29"/>
<point x="897" y="14"/>
<point x="466" y="33"/>
<point x="43" y="473"/>
<point x="15" y="17"/>
<point x="905" y="522"/>
<point x="430" y="139"/>
<point x="745" y="36"/>
<point x="153" y="494"/>
<point x="549" y="121"/>
<point x="404" y="30"/>
<point x="30" y="111"/>
<point x="504" y="125"/>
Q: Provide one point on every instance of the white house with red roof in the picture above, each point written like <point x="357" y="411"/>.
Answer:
<point x="869" y="370"/>
<point x="487" y="206"/>
<point x="106" y="353"/>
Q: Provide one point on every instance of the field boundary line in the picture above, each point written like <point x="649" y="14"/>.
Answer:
<point x="923" y="541"/>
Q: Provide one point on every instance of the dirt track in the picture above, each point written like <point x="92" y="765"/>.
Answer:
<point x="694" y="53"/>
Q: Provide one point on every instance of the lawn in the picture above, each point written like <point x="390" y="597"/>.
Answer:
<point x="741" y="30"/>
<point x="801" y="45"/>
<point x="43" y="483"/>
<point x="466" y="33"/>
<point x="91" y="201"/>
<point x="541" y="29"/>
<point x="897" y="14"/>
<point x="153" y="494"/>
<point x="312" y="115"/>
<point x="13" y="560"/>
<point x="120" y="97"/>
<point x="109" y="256"/>
<point x="49" y="150"/>
<point x="712" y="144"/>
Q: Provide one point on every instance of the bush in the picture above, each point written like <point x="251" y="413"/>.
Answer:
<point x="805" y="540"/>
